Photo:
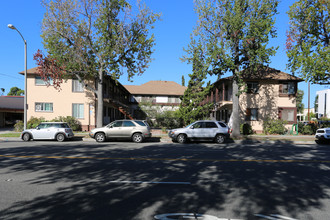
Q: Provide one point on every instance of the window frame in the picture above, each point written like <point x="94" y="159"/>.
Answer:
<point x="280" y="115"/>
<point x="43" y="107"/>
<point x="42" y="82"/>
<point x="254" y="89"/>
<point x="78" y="114"/>
<point x="76" y="82"/>
<point x="250" y="116"/>
<point x="288" y="93"/>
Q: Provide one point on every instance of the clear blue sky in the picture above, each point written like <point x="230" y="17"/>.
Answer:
<point x="172" y="34"/>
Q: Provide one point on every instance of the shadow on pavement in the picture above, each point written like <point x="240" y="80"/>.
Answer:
<point x="224" y="179"/>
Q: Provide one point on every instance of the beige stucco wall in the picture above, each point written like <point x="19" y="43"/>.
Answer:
<point x="62" y="101"/>
<point x="267" y="101"/>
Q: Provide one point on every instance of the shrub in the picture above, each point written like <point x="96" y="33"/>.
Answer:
<point x="72" y="122"/>
<point x="272" y="126"/>
<point x="246" y="129"/>
<point x="34" y="122"/>
<point x="309" y="129"/>
<point x="168" y="119"/>
<point x="19" y="126"/>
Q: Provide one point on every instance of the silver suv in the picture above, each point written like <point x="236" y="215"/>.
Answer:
<point x="322" y="135"/>
<point x="59" y="131"/>
<point x="201" y="130"/>
<point x="135" y="130"/>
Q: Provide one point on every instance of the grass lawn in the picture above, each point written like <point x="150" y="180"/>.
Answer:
<point x="10" y="135"/>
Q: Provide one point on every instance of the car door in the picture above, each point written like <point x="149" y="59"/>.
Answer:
<point x="210" y="129"/>
<point x="127" y="129"/>
<point x="195" y="130"/>
<point x="40" y="132"/>
<point x="114" y="129"/>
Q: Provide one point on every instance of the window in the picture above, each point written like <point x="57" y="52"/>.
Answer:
<point x="251" y="114"/>
<point x="116" y="124"/>
<point x="77" y="86"/>
<point x="252" y="87"/>
<point x="78" y="110"/>
<point x="222" y="124"/>
<point x="288" y="88"/>
<point x="210" y="125"/>
<point x="141" y="123"/>
<point x="198" y="125"/>
<point x="43" y="107"/>
<point x="287" y="114"/>
<point x="40" y="82"/>
<point x="128" y="124"/>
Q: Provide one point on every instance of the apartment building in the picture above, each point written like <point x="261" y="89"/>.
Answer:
<point x="74" y="100"/>
<point x="270" y="93"/>
<point x="165" y="95"/>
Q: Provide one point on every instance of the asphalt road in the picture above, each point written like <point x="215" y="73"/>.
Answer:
<point x="128" y="181"/>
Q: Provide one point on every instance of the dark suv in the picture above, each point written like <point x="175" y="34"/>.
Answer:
<point x="201" y="130"/>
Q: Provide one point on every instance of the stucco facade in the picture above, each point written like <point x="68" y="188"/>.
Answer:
<point x="62" y="102"/>
<point x="73" y="99"/>
<point x="269" y="95"/>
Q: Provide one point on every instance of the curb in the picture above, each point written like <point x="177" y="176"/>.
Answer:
<point x="168" y="140"/>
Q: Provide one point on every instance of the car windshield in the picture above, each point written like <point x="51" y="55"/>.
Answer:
<point x="190" y="124"/>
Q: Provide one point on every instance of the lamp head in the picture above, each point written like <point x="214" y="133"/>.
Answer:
<point x="11" y="26"/>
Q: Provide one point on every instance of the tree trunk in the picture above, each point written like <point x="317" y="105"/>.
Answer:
<point x="236" y="116"/>
<point x="99" y="114"/>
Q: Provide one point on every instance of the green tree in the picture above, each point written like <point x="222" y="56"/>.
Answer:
<point x="15" y="91"/>
<point x="236" y="34"/>
<point x="183" y="82"/>
<point x="308" y="40"/>
<point x="91" y="39"/>
<point x="299" y="104"/>
<point x="191" y="107"/>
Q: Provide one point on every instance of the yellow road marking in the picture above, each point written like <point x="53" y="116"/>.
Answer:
<point x="170" y="159"/>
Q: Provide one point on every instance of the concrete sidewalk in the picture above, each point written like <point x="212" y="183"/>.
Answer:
<point x="163" y="137"/>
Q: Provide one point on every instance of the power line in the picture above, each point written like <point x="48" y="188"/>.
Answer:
<point x="10" y="76"/>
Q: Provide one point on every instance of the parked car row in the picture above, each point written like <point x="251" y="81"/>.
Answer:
<point x="135" y="130"/>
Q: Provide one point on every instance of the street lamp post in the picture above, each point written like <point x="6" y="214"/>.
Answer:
<point x="25" y="74"/>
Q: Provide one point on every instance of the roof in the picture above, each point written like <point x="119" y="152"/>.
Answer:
<point x="12" y="102"/>
<point x="33" y="70"/>
<point x="266" y="73"/>
<point x="157" y="88"/>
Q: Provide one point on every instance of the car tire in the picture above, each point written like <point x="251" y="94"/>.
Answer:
<point x="60" y="137"/>
<point x="26" y="137"/>
<point x="137" y="138"/>
<point x="219" y="139"/>
<point x="100" y="137"/>
<point x="182" y="138"/>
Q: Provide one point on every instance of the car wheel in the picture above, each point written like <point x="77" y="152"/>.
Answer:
<point x="26" y="137"/>
<point x="220" y="139"/>
<point x="100" y="137"/>
<point x="60" y="137"/>
<point x="182" y="138"/>
<point x="137" y="138"/>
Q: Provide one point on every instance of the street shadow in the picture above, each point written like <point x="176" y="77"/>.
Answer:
<point x="240" y="178"/>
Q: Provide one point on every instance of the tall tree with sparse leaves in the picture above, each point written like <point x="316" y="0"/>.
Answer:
<point x="308" y="40"/>
<point x="89" y="39"/>
<point x="191" y="107"/>
<point x="236" y="34"/>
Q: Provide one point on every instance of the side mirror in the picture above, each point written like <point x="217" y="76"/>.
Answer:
<point x="37" y="128"/>
<point x="192" y="127"/>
